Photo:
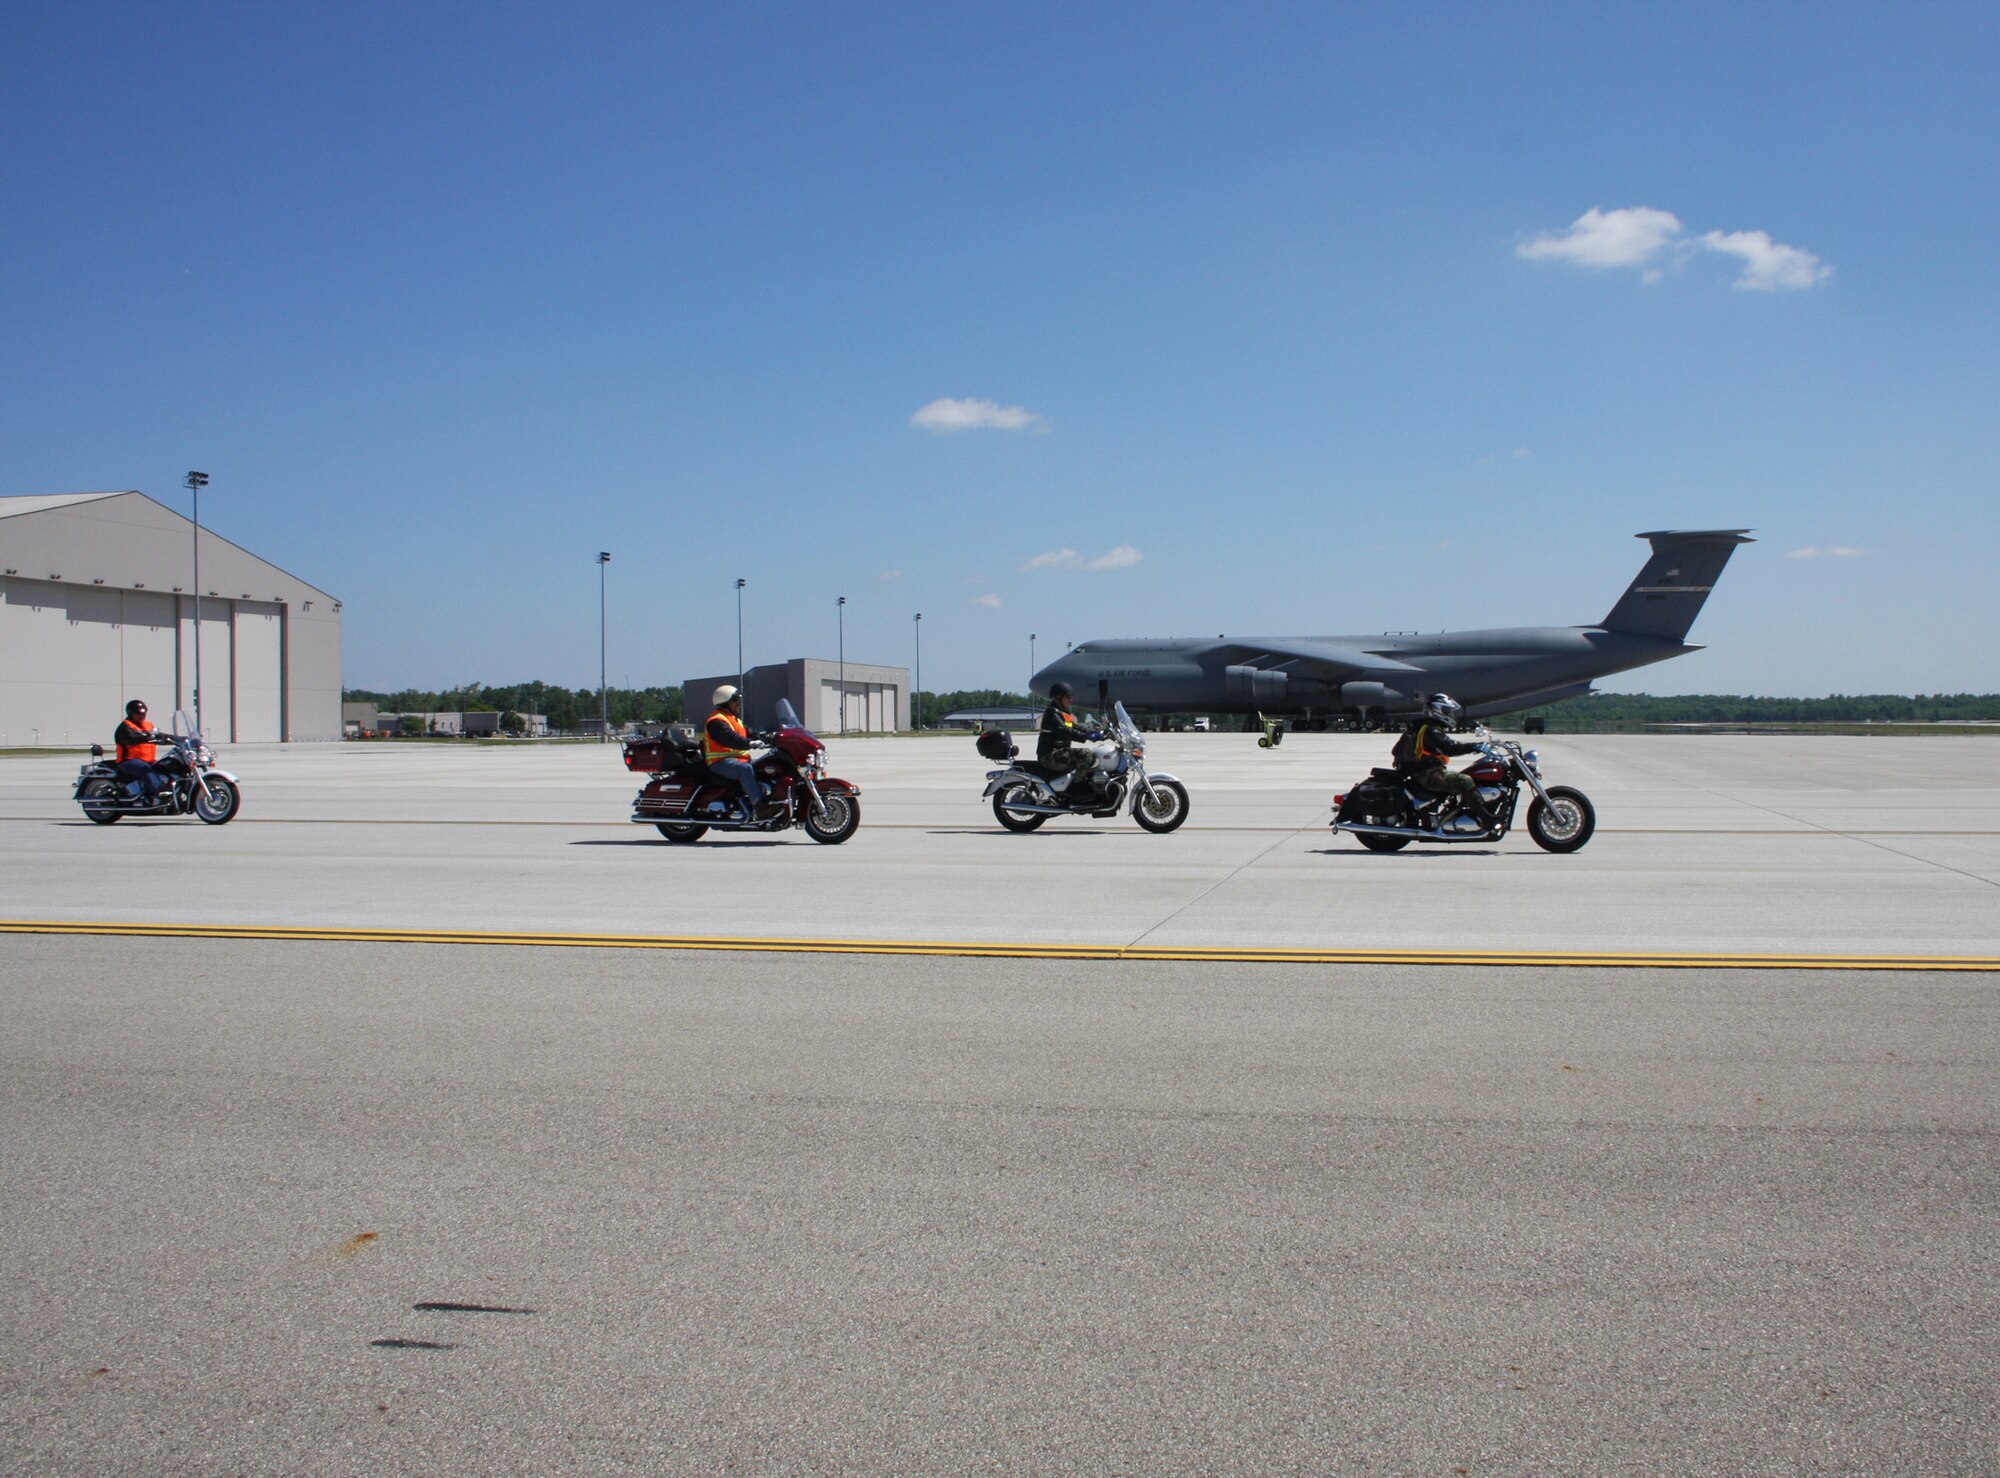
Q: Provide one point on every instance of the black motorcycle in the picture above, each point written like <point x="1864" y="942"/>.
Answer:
<point x="1389" y="810"/>
<point x="192" y="783"/>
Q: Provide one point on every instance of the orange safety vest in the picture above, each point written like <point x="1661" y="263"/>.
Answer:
<point x="137" y="751"/>
<point x="710" y="752"/>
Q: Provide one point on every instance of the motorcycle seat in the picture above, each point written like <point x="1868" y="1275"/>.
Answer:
<point x="1381" y="774"/>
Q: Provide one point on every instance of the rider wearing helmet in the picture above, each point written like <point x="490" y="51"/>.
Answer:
<point x="725" y="747"/>
<point x="135" y="753"/>
<point x="1423" y="748"/>
<point x="1059" y="746"/>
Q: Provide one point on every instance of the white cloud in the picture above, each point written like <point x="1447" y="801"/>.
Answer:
<point x="1521" y="454"/>
<point x="887" y="575"/>
<point x="1121" y="558"/>
<point x="1608" y="238"/>
<point x="1837" y="551"/>
<point x="988" y="600"/>
<point x="1653" y="240"/>
<point x="1767" y="266"/>
<point x="976" y="415"/>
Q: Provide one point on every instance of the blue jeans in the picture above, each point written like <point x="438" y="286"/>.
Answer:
<point x="150" y="780"/>
<point x="743" y="775"/>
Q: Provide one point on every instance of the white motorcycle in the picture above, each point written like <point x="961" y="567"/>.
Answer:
<point x="1024" y="794"/>
<point x="191" y="783"/>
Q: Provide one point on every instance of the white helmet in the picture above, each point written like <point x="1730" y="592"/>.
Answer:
<point x="1441" y="707"/>
<point x="723" y="694"/>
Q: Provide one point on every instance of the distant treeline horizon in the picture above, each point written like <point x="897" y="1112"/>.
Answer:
<point x="569" y="708"/>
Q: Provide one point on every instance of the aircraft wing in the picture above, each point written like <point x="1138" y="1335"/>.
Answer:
<point x="1303" y="657"/>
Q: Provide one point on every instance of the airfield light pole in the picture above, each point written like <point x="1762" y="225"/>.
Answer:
<point x="917" y="696"/>
<point x="603" y="692"/>
<point x="739" y="638"/>
<point x="840" y="615"/>
<point x="1031" y="662"/>
<point x="196" y="481"/>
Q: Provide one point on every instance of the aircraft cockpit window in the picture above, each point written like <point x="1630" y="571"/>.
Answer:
<point x="1079" y="650"/>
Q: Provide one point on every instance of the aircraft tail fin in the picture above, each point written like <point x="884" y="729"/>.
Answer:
<point x="1668" y="593"/>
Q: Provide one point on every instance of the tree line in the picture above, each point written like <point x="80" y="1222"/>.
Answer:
<point x="1636" y="710"/>
<point x="570" y="708"/>
<point x="564" y="708"/>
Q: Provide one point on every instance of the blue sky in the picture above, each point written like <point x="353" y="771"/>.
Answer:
<point x="1277" y="319"/>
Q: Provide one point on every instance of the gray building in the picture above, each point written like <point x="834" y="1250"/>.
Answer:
<point x="97" y="606"/>
<point x="877" y="698"/>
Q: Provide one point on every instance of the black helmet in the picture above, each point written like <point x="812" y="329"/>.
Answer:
<point x="1059" y="690"/>
<point x="1443" y="708"/>
<point x="135" y="706"/>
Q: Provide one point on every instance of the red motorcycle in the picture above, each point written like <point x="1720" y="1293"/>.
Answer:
<point x="1389" y="810"/>
<point x="684" y="799"/>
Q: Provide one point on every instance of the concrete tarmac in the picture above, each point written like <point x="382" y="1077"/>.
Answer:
<point x="310" y="1207"/>
<point x="382" y="1209"/>
<point x="1706" y="845"/>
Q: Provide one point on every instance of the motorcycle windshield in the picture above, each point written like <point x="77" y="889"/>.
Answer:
<point x="788" y="717"/>
<point x="1128" y="732"/>
<point x="183" y="724"/>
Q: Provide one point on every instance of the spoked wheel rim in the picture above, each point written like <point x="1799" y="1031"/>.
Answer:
<point x="1562" y="819"/>
<point x="842" y="815"/>
<point x="1012" y="819"/>
<point x="1163" y="808"/>
<point x="215" y="802"/>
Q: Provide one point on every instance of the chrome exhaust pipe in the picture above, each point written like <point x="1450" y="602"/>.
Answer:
<point x="1415" y="834"/>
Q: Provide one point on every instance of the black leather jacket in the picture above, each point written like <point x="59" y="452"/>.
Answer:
<point x="1425" y="744"/>
<point x="1057" y="730"/>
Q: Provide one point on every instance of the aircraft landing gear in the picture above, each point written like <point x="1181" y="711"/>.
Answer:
<point x="1274" y="732"/>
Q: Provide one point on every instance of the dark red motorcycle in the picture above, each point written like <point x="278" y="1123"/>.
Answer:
<point x="684" y="799"/>
<point x="1389" y="810"/>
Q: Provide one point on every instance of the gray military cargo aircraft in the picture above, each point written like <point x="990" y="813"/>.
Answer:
<point x="1350" y="682"/>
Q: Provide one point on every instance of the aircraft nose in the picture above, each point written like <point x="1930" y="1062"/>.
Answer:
<point x="1064" y="669"/>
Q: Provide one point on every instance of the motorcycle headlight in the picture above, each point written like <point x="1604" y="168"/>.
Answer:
<point x="818" y="761"/>
<point x="1533" y="759"/>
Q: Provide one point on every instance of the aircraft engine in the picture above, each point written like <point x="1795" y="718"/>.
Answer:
<point x="1374" y="695"/>
<point x="1255" y="684"/>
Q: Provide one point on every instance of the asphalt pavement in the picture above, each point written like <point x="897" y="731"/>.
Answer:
<point x="341" y="1206"/>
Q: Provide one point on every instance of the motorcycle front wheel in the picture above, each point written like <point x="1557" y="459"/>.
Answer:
<point x="843" y="815"/>
<point x="1164" y="809"/>
<point x="215" y="800"/>
<point x="100" y="802"/>
<point x="680" y="831"/>
<point x="1564" y="823"/>
<point x="1016" y="794"/>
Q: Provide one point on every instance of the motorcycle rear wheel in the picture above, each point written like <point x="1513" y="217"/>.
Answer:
<point x="843" y="815"/>
<point x="1378" y="843"/>
<point x="1016" y="820"/>
<point x="1374" y="841"/>
<point x="99" y="801"/>
<point x="1564" y="824"/>
<point x="680" y="831"/>
<point x="216" y="801"/>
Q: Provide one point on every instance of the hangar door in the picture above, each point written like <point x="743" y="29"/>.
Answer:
<point x="260" y="672"/>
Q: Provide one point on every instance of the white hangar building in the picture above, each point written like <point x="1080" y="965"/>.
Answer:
<point x="97" y="606"/>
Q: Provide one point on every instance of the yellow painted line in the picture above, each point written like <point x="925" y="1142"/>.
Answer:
<point x="1019" y="951"/>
